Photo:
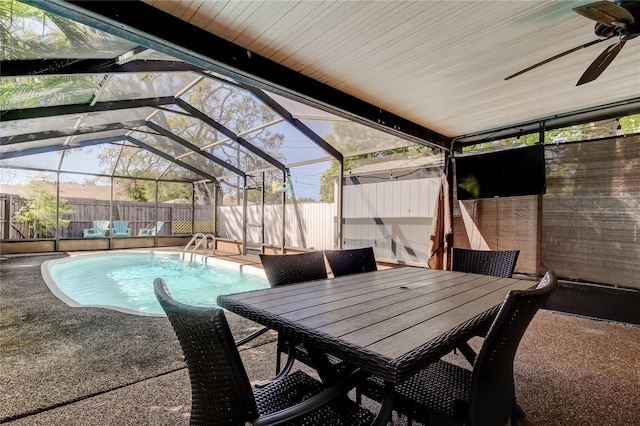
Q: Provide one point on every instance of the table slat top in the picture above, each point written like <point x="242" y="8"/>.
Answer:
<point x="392" y="317"/>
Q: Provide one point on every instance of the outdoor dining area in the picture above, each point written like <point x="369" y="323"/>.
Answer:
<point x="381" y="333"/>
<point x="357" y="342"/>
<point x="437" y="203"/>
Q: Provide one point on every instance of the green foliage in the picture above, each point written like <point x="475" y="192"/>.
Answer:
<point x="229" y="106"/>
<point x="145" y="190"/>
<point x="40" y="210"/>
<point x="27" y="32"/>
<point x="627" y="125"/>
<point x="136" y="192"/>
<point x="630" y="124"/>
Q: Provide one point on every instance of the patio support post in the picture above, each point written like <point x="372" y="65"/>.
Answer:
<point x="155" y="234"/>
<point x="448" y="172"/>
<point x="296" y="211"/>
<point x="244" y="216"/>
<point x="284" y="212"/>
<point x="111" y="215"/>
<point x="216" y="190"/>
<point x="262" y="218"/>
<point x="57" y="238"/>
<point x="538" y="267"/>
<point x="193" y="211"/>
<point x="340" y="203"/>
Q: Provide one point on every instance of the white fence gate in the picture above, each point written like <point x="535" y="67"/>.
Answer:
<point x="394" y="217"/>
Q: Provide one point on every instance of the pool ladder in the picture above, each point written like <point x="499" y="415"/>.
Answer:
<point x="198" y="241"/>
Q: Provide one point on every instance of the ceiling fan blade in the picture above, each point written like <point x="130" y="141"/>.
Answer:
<point x="601" y="63"/>
<point x="559" y="55"/>
<point x="606" y="13"/>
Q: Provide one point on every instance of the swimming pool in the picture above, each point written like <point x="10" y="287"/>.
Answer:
<point x="124" y="281"/>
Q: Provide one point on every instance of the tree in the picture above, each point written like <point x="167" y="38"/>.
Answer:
<point x="594" y="130"/>
<point x="27" y="32"/>
<point x="228" y="105"/>
<point x="40" y="210"/>
<point x="26" y="29"/>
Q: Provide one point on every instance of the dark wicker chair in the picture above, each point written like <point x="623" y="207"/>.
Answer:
<point x="284" y="269"/>
<point x="499" y="263"/>
<point x="221" y="392"/>
<point x="351" y="261"/>
<point x="445" y="394"/>
<point x="281" y="271"/>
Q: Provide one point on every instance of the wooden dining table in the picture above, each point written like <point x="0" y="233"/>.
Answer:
<point x="391" y="322"/>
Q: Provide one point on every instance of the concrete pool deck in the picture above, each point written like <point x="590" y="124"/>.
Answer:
<point x="92" y="366"/>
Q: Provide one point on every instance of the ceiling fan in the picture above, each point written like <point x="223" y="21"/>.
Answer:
<point x="620" y="19"/>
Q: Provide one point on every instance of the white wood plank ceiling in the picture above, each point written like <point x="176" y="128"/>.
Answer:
<point x="440" y="64"/>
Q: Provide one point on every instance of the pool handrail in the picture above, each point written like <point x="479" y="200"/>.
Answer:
<point x="198" y="240"/>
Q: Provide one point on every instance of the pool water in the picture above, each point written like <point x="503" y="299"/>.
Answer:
<point x="124" y="281"/>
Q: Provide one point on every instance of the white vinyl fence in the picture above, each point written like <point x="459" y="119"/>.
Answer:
<point x="394" y="217"/>
<point x="315" y="228"/>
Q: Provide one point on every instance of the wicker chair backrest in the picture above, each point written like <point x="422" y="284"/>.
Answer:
<point x="492" y="388"/>
<point x="351" y="261"/>
<point x="283" y="269"/>
<point x="499" y="263"/>
<point x="220" y="389"/>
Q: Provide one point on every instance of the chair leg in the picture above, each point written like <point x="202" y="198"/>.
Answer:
<point x="520" y="414"/>
<point x="278" y="362"/>
<point x="517" y="414"/>
<point x="251" y="336"/>
<point x="286" y="370"/>
<point x="468" y="353"/>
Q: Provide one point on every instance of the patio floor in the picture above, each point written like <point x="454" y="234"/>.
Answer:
<point x="92" y="366"/>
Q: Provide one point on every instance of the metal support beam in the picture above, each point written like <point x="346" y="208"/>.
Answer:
<point x="54" y="111"/>
<point x="558" y="121"/>
<point x="340" y="206"/>
<point x="172" y="36"/>
<point x="194" y="148"/>
<point x="170" y="158"/>
<point x="296" y="123"/>
<point x="244" y="215"/>
<point x="51" y="148"/>
<point x="40" y="67"/>
<point x="51" y="134"/>
<point x="228" y="133"/>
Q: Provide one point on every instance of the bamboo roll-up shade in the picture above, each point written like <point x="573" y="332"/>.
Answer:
<point x="591" y="212"/>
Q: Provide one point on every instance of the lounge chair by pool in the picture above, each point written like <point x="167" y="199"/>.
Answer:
<point x="151" y="230"/>
<point x="99" y="229"/>
<point x="121" y="228"/>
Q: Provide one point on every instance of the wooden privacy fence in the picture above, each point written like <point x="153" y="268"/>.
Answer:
<point x="140" y="215"/>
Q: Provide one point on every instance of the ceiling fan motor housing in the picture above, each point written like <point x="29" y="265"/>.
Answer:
<point x="631" y="29"/>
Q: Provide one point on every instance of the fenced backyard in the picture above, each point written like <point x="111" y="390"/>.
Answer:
<point x="178" y="218"/>
<point x="585" y="227"/>
<point x="307" y="225"/>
